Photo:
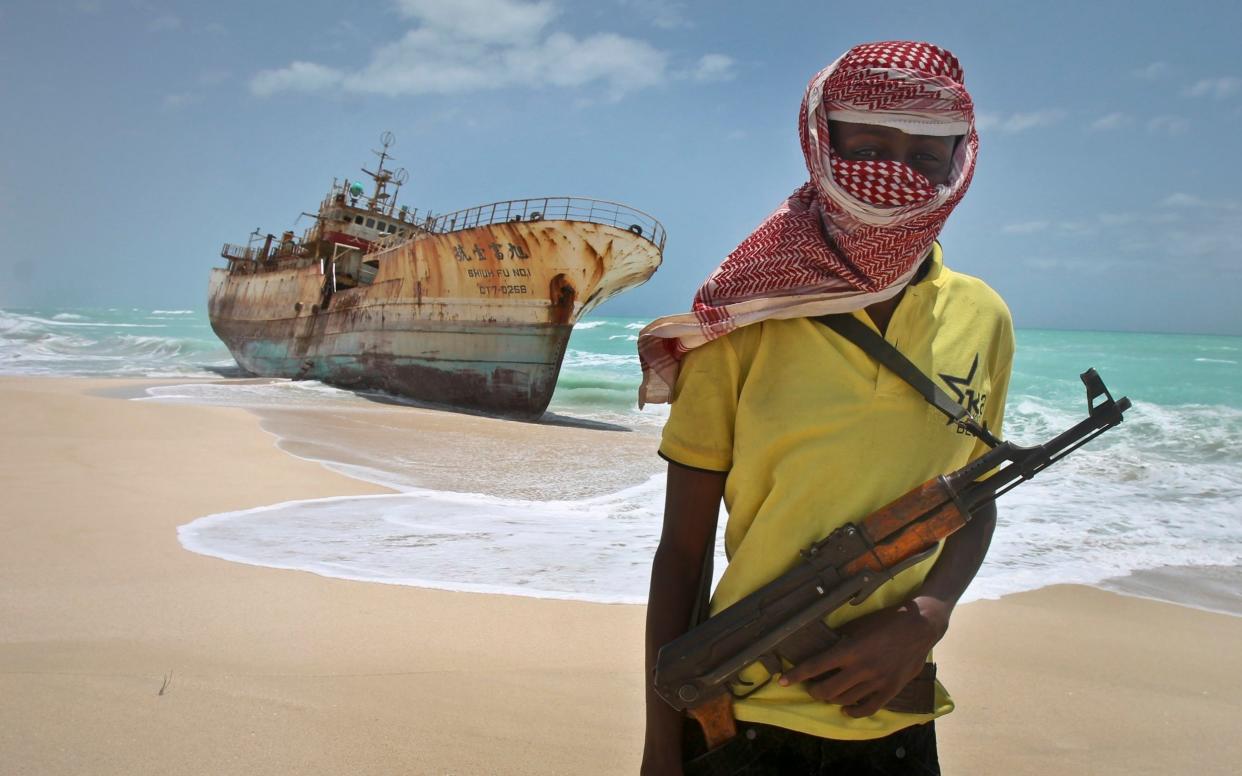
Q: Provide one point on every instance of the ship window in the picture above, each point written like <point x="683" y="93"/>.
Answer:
<point x="371" y="222"/>
<point x="392" y="228"/>
<point x="358" y="219"/>
<point x="379" y="225"/>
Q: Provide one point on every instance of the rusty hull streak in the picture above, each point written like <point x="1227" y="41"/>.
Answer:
<point x="457" y="318"/>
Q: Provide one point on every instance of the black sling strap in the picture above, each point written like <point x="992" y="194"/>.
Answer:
<point x="882" y="351"/>
<point x="871" y="343"/>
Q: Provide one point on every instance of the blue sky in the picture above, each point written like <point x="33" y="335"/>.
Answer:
<point x="137" y="136"/>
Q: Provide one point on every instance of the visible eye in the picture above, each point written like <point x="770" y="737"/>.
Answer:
<point x="864" y="152"/>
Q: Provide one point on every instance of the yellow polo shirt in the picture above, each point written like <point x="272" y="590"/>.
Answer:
<point x="814" y="433"/>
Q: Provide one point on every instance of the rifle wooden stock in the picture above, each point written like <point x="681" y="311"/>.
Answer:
<point x="913" y="523"/>
<point x="716" y="719"/>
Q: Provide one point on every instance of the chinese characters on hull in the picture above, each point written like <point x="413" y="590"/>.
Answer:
<point x="499" y="252"/>
<point x="478" y="252"/>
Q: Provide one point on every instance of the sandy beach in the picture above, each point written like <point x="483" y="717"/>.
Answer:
<point x="123" y="653"/>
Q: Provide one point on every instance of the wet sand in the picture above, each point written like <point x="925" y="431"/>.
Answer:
<point x="122" y="653"/>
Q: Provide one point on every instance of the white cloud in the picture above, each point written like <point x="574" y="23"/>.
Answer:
<point x="1025" y="227"/>
<point x="1198" y="233"/>
<point x="626" y="63"/>
<point x="484" y="20"/>
<point x="297" y="77"/>
<point x="1206" y="239"/>
<point x="213" y="77"/>
<point x="1111" y="121"/>
<point x="1180" y="199"/>
<point x="1075" y="265"/>
<point x="1072" y="228"/>
<point x="422" y="63"/>
<point x="1153" y="71"/>
<point x="1076" y="228"/>
<point x="1018" y="122"/>
<point x="665" y="14"/>
<point x="1117" y="219"/>
<point x="459" y="46"/>
<point x="1168" y="125"/>
<point x="1220" y="88"/>
<point x="175" y="101"/>
<point x="713" y="67"/>
<point x="164" y="23"/>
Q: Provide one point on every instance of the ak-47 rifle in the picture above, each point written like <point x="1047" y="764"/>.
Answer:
<point x="784" y="619"/>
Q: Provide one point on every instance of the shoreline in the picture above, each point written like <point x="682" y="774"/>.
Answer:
<point x="1215" y="589"/>
<point x="121" y="652"/>
<point x="1207" y="588"/>
<point x="305" y="433"/>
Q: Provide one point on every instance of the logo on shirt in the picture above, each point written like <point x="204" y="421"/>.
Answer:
<point x="968" y="397"/>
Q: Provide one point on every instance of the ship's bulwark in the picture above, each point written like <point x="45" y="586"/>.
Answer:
<point x="478" y="318"/>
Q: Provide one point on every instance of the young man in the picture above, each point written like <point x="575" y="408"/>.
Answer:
<point x="800" y="431"/>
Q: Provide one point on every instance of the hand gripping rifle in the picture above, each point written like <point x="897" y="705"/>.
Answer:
<point x="783" y="621"/>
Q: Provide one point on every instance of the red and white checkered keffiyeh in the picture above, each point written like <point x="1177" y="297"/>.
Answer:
<point x="856" y="232"/>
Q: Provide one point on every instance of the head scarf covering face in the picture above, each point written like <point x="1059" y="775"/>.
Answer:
<point x="856" y="232"/>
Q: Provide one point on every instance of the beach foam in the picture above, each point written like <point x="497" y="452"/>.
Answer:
<point x="1109" y="510"/>
<point x="1163" y="490"/>
<point x="595" y="549"/>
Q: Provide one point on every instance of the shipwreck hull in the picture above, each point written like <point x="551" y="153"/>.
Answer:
<point x="508" y="370"/>
<point x="475" y="318"/>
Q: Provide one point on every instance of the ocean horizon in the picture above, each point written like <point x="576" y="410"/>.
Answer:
<point x="1153" y="508"/>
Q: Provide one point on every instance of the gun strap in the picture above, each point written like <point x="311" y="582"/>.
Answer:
<point x="871" y="343"/>
<point x="702" y="601"/>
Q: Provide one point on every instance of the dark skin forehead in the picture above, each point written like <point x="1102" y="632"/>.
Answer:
<point x="931" y="155"/>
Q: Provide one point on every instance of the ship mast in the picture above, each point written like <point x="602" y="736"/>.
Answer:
<point x="383" y="177"/>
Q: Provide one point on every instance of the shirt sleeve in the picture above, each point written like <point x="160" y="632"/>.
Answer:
<point x="699" y="431"/>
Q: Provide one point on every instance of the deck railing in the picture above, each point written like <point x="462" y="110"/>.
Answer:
<point x="593" y="211"/>
<point x="240" y="252"/>
<point x="293" y="250"/>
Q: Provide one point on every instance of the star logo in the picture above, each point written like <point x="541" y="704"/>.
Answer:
<point x="968" y="397"/>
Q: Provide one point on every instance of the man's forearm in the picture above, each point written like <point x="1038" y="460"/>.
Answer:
<point x="674" y="589"/>
<point x="691" y="508"/>
<point x="957" y="565"/>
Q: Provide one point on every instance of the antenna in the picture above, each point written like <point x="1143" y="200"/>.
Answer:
<point x="386" y="140"/>
<point x="399" y="177"/>
<point x="381" y="176"/>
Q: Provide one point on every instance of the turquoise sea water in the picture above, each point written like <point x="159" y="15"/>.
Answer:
<point x="1164" y="491"/>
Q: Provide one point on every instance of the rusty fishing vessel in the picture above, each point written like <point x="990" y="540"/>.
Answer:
<point x="471" y="309"/>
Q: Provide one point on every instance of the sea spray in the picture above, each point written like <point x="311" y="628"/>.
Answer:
<point x="110" y="343"/>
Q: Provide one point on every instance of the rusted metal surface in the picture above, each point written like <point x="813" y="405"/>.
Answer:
<point x="593" y="211"/>
<point x="471" y="309"/>
<point x="476" y="318"/>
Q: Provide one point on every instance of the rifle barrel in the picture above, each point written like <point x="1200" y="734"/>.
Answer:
<point x="1026" y="462"/>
